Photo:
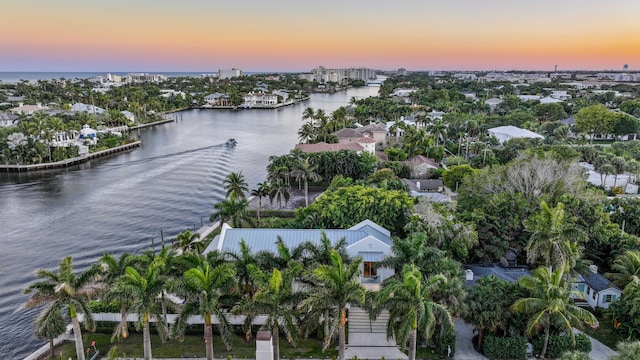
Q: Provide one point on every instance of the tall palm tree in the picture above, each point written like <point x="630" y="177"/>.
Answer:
<point x="261" y="191"/>
<point x="550" y="305"/>
<point x="338" y="286"/>
<point x="552" y="238"/>
<point x="411" y="306"/>
<point x="232" y="210"/>
<point x="626" y="270"/>
<point x="65" y="289"/>
<point x="306" y="172"/>
<point x="112" y="269"/>
<point x="309" y="113"/>
<point x="144" y="289"/>
<point x="277" y="299"/>
<point x="236" y="185"/>
<point x="204" y="288"/>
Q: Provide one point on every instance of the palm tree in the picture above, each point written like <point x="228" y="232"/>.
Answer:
<point x="65" y="289"/>
<point x="439" y="130"/>
<point x="338" y="286"/>
<point x="550" y="305"/>
<point x="190" y="242"/>
<point x="236" y="185"/>
<point x="306" y="133"/>
<point x="49" y="325"/>
<point x="279" y="190"/>
<point x="277" y="299"/>
<point x="144" y="289"/>
<point x="262" y="190"/>
<point x="204" y="288"/>
<point x="302" y="170"/>
<point x="552" y="237"/>
<point x="411" y="306"/>
<point x="626" y="270"/>
<point x="112" y="269"/>
<point x="232" y="210"/>
<point x="309" y="113"/>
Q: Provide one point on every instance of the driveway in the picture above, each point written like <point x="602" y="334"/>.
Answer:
<point x="464" y="347"/>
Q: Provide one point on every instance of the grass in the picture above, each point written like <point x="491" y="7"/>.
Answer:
<point x="193" y="346"/>
<point x="605" y="333"/>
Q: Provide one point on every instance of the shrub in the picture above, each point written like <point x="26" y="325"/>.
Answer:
<point x="104" y="307"/>
<point x="505" y="348"/>
<point x="559" y="344"/>
<point x="447" y="340"/>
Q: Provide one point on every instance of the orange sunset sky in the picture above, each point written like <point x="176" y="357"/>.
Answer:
<point x="298" y="35"/>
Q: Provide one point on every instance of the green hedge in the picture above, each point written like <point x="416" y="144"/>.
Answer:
<point x="98" y="306"/>
<point x="447" y="340"/>
<point x="505" y="348"/>
<point x="559" y="344"/>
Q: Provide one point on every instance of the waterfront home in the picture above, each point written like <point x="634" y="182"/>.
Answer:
<point x="366" y="240"/>
<point x="218" y="99"/>
<point x="506" y="133"/>
<point x="87" y="134"/>
<point x="259" y="99"/>
<point x="359" y="145"/>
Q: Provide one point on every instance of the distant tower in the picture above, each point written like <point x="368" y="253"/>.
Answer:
<point x="625" y="67"/>
<point x="555" y="69"/>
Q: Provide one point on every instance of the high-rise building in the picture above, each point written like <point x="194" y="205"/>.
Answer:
<point x="324" y="75"/>
<point x="228" y="74"/>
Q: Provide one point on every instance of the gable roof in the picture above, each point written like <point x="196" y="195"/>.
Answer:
<point x="372" y="127"/>
<point x="265" y="239"/>
<point x="419" y="160"/>
<point x="348" y="133"/>
<point x="596" y="281"/>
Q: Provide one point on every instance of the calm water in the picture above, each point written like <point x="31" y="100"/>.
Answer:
<point x="118" y="204"/>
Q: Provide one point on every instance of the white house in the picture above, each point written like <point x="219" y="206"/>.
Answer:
<point x="7" y="119"/>
<point x="366" y="240"/>
<point x="560" y="95"/>
<point x="218" y="99"/>
<point x="493" y="102"/>
<point x="506" y="133"/>
<point x="259" y="99"/>
<point x="88" y="134"/>
<point x="596" y="290"/>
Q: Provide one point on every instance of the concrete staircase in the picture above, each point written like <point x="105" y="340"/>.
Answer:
<point x="368" y="339"/>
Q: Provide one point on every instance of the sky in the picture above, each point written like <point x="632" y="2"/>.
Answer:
<point x="299" y="35"/>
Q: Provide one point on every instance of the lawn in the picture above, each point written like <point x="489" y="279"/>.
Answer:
<point x="193" y="346"/>
<point x="606" y="334"/>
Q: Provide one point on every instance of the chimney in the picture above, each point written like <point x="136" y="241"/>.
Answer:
<point x="593" y="268"/>
<point x="469" y="275"/>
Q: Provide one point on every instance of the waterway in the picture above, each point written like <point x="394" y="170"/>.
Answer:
<point x="118" y="204"/>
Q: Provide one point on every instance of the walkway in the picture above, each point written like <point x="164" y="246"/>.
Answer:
<point x="464" y="346"/>
<point x="599" y="351"/>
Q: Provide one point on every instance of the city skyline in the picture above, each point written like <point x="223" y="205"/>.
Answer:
<point x="200" y="35"/>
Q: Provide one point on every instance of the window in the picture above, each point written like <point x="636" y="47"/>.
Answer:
<point x="594" y="295"/>
<point x="370" y="269"/>
<point x="607" y="298"/>
<point x="588" y="290"/>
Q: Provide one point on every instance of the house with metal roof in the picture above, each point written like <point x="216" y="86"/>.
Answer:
<point x="506" y="133"/>
<point x="366" y="240"/>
